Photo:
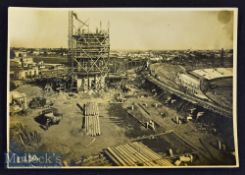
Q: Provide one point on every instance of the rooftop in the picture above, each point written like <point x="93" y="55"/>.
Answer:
<point x="213" y="73"/>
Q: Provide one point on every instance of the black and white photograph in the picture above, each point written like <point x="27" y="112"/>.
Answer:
<point x="122" y="88"/>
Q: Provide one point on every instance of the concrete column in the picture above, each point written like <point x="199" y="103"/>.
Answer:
<point x="89" y="82"/>
<point x="79" y="83"/>
<point x="85" y="83"/>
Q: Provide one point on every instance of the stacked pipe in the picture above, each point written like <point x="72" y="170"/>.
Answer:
<point x="135" y="154"/>
<point x="92" y="123"/>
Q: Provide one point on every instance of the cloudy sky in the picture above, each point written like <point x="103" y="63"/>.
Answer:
<point x="129" y="28"/>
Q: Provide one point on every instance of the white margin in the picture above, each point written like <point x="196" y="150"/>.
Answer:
<point x="235" y="30"/>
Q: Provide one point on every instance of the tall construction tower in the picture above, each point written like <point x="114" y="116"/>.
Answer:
<point x="88" y="54"/>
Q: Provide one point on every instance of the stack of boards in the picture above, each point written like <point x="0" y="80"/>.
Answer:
<point x="91" y="122"/>
<point x="135" y="154"/>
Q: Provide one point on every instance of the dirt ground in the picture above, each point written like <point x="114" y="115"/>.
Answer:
<point x="68" y="137"/>
<point x="117" y="127"/>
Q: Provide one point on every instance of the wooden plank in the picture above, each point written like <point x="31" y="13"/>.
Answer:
<point x="129" y="154"/>
<point x="138" y="156"/>
<point x="120" y="155"/>
<point x="86" y="121"/>
<point x="147" y="150"/>
<point x="112" y="157"/>
<point x="94" y="120"/>
<point x="125" y="156"/>
<point x="119" y="159"/>
<point x="92" y="108"/>
<point x="146" y="153"/>
<point x="92" y="125"/>
<point x="141" y="157"/>
<point x="89" y="126"/>
<point x="98" y="130"/>
<point x="97" y="109"/>
<point x="135" y="160"/>
<point x="99" y="125"/>
<point x="158" y="158"/>
<point x="155" y="157"/>
<point x="95" y="126"/>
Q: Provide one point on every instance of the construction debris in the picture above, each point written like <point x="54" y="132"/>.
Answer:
<point x="135" y="154"/>
<point x="119" y="97"/>
<point x="184" y="159"/>
<point x="199" y="114"/>
<point x="17" y="102"/>
<point x="37" y="102"/>
<point x="91" y="119"/>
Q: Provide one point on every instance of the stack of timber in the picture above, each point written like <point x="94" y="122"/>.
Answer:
<point x="135" y="154"/>
<point x="91" y="120"/>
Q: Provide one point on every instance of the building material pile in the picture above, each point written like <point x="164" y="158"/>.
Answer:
<point x="135" y="154"/>
<point x="18" y="102"/>
<point x="91" y="120"/>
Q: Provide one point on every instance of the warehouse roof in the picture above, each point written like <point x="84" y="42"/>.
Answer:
<point x="213" y="73"/>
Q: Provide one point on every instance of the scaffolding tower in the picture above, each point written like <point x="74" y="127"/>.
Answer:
<point x="88" y="54"/>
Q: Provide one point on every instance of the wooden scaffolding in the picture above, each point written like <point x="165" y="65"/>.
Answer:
<point x="88" y="54"/>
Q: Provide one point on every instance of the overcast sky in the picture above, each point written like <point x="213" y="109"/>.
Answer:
<point x="129" y="28"/>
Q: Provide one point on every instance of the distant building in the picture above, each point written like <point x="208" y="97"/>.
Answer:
<point x="15" y="62"/>
<point x="54" y="66"/>
<point x="25" y="73"/>
<point x="23" y="68"/>
<point x="27" y="60"/>
<point x="190" y="84"/>
<point x="213" y="73"/>
<point x="196" y="82"/>
<point x="20" y="53"/>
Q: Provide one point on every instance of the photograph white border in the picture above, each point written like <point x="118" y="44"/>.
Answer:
<point x="235" y="131"/>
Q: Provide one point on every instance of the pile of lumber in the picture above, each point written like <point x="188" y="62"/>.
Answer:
<point x="135" y="154"/>
<point x="91" y="119"/>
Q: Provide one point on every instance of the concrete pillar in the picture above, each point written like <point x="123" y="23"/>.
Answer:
<point x="98" y="83"/>
<point x="102" y="81"/>
<point x="82" y="84"/>
<point x="85" y="83"/>
<point x="90" y="81"/>
<point x="79" y="83"/>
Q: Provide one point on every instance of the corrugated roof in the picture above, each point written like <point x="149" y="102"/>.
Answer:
<point x="213" y="73"/>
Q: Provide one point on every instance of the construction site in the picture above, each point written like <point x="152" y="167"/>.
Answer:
<point x="96" y="111"/>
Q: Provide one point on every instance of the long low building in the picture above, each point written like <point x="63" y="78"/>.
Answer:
<point x="213" y="73"/>
<point x="210" y="88"/>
